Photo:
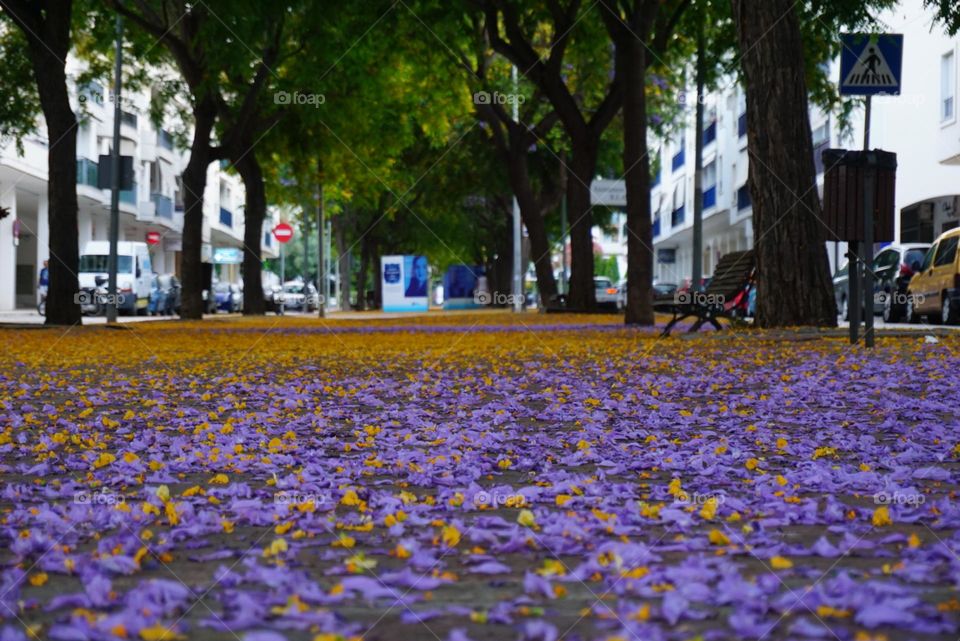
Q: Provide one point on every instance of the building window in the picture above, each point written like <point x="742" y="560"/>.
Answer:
<point x="679" y="204"/>
<point x="948" y="86"/>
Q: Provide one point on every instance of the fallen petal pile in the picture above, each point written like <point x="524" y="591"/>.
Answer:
<point x="461" y="477"/>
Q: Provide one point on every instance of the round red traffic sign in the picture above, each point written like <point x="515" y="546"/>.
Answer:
<point x="153" y="237"/>
<point x="283" y="232"/>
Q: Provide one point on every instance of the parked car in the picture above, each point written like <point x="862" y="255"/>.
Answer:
<point x="228" y="297"/>
<point x="661" y="291"/>
<point x="297" y="296"/>
<point x="606" y="293"/>
<point x="892" y="266"/>
<point x="934" y="290"/>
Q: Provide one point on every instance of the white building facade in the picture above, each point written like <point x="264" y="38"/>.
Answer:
<point x="921" y="126"/>
<point x="155" y="204"/>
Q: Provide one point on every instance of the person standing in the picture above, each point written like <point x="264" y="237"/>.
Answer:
<point x="42" y="285"/>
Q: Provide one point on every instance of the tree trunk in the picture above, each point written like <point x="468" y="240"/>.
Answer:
<point x="343" y="260"/>
<point x="47" y="31"/>
<point x="362" y="275"/>
<point x="377" y="280"/>
<point x="636" y="160"/>
<point x="532" y="217"/>
<point x="62" y="198"/>
<point x="254" y="213"/>
<point x="793" y="283"/>
<point x="583" y="164"/>
<point x="194" y="184"/>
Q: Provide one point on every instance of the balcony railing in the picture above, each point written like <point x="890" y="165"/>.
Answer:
<point x="678" y="159"/>
<point x="226" y="217"/>
<point x="128" y="118"/>
<point x="709" y="197"/>
<point x="676" y="218"/>
<point x="164" y="205"/>
<point x="87" y="171"/>
<point x="743" y="198"/>
<point x="165" y="139"/>
<point x="742" y="125"/>
<point x="129" y="196"/>
<point x="710" y="133"/>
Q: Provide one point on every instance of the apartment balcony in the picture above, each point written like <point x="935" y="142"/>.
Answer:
<point x="163" y="206"/>
<point x="743" y="198"/>
<point x="678" y="160"/>
<point x="710" y="197"/>
<point x="676" y="218"/>
<point x="710" y="133"/>
<point x="87" y="172"/>
<point x="129" y="196"/>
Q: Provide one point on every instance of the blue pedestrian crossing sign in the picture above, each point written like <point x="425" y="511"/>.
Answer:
<point x="870" y="63"/>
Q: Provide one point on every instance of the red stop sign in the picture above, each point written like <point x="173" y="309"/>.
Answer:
<point x="153" y="237"/>
<point x="283" y="232"/>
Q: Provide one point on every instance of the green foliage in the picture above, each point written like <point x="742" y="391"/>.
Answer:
<point x="606" y="266"/>
<point x="948" y="13"/>
<point x="19" y="102"/>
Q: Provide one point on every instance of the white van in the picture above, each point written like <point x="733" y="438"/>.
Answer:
<point x="134" y="271"/>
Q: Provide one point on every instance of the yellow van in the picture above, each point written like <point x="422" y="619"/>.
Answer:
<point x="934" y="290"/>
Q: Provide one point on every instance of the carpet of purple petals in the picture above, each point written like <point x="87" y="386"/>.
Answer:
<point x="453" y="478"/>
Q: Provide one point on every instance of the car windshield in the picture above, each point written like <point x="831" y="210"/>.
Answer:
<point x="99" y="263"/>
<point x="602" y="283"/>
<point x="221" y="288"/>
<point x="164" y="281"/>
<point x="293" y="289"/>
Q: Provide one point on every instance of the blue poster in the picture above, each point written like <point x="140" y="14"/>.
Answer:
<point x="405" y="282"/>
<point x="460" y="287"/>
<point x="415" y="276"/>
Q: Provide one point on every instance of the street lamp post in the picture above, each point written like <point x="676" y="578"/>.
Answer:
<point x="115" y="180"/>
<point x="517" y="277"/>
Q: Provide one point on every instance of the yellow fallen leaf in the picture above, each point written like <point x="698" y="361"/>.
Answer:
<point x="881" y="517"/>
<point x="718" y="538"/>
<point x="526" y="518"/>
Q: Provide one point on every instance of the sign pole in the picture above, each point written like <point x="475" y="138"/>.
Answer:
<point x="282" y="277"/>
<point x="869" y="189"/>
<point x="517" y="234"/>
<point x="869" y="64"/>
<point x="115" y="182"/>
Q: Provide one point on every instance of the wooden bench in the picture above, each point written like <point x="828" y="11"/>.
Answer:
<point x="725" y="296"/>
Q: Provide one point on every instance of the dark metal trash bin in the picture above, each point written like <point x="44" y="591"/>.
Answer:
<point x="843" y="190"/>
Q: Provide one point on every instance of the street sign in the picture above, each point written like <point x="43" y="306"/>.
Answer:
<point x="870" y="63"/>
<point x="227" y="255"/>
<point x="153" y="237"/>
<point x="283" y="232"/>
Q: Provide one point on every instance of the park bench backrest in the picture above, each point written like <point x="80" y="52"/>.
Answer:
<point x="731" y="275"/>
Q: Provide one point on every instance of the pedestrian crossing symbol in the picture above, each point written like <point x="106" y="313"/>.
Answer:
<point x="870" y="63"/>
